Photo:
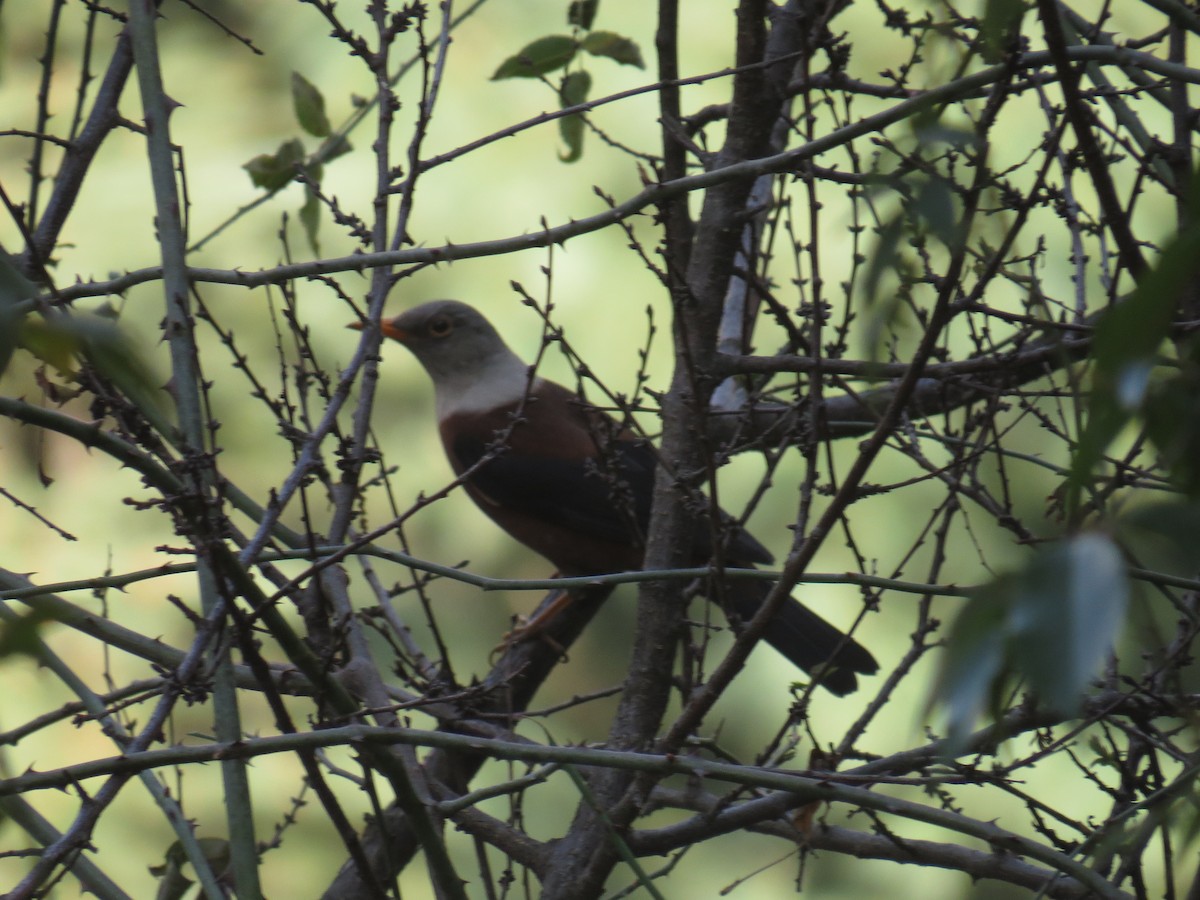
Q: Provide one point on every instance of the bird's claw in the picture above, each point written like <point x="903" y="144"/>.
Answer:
<point x="527" y="629"/>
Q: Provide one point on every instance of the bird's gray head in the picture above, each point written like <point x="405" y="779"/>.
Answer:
<point x="471" y="366"/>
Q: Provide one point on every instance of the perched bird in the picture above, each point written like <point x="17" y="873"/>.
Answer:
<point x="572" y="484"/>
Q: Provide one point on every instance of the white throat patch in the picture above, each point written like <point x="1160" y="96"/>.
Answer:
<point x="503" y="381"/>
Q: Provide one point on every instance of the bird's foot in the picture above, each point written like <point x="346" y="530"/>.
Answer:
<point x="535" y="627"/>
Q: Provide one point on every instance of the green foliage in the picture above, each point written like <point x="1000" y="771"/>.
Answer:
<point x="1171" y="412"/>
<point x="971" y="667"/>
<point x="309" y="104"/>
<point x="613" y="46"/>
<point x="1163" y="536"/>
<point x="271" y="171"/>
<point x="1065" y="615"/>
<point x="1188" y="818"/>
<point x="557" y="51"/>
<point x="14" y="288"/>
<point x="574" y="90"/>
<point x="999" y="25"/>
<point x="284" y="452"/>
<point x="274" y="171"/>
<point x="928" y="207"/>
<point x="61" y="341"/>
<point x="21" y="635"/>
<point x="1051" y="624"/>
<point x="581" y="13"/>
<point x="539" y="57"/>
<point x="310" y="218"/>
<point x="1125" y="354"/>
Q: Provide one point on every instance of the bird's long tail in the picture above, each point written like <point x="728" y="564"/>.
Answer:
<point x="832" y="658"/>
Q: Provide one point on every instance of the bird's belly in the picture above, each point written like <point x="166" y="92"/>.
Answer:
<point x="571" y="552"/>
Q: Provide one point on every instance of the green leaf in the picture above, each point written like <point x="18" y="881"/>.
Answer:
<point x="110" y="352"/>
<point x="581" y="13"/>
<point x="1066" y="613"/>
<point x="310" y="107"/>
<point x="574" y="90"/>
<point x="997" y="27"/>
<point x="934" y="204"/>
<point x="613" y="46"/>
<point x="1163" y="536"/>
<point x="1127" y="340"/>
<point x="1188" y="819"/>
<point x="571" y="129"/>
<point x="1171" y="411"/>
<point x="543" y="55"/>
<point x="14" y="289"/>
<point x="22" y="634"/>
<point x="272" y="171"/>
<point x="973" y="661"/>
<point x="1051" y="622"/>
<point x="310" y="219"/>
<point x="54" y="343"/>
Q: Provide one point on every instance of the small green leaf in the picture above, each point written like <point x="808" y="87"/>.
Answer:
<point x="571" y="129"/>
<point x="934" y="204"/>
<point x="929" y="129"/>
<point x="543" y="55"/>
<point x="272" y="171"/>
<point x="615" y="47"/>
<point x="310" y="219"/>
<point x="14" y="288"/>
<point x="310" y="107"/>
<point x="54" y="343"/>
<point x="582" y="13"/>
<point x="1172" y="417"/>
<point x="22" y="635"/>
<point x="109" y="350"/>
<point x="574" y="90"/>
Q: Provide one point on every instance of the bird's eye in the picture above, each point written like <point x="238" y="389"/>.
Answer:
<point x="441" y="326"/>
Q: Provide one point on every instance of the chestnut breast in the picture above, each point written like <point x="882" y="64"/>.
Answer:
<point x="561" y="478"/>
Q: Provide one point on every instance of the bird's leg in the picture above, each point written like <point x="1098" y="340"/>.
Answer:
<point x="536" y="625"/>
